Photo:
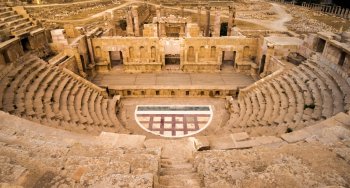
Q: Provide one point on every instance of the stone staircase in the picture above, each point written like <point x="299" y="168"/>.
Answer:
<point x="178" y="172"/>
<point x="176" y="165"/>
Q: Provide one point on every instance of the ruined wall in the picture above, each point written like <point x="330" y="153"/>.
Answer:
<point x="70" y="64"/>
<point x="331" y="53"/>
<point x="205" y="54"/>
<point x="139" y="53"/>
<point x="11" y="50"/>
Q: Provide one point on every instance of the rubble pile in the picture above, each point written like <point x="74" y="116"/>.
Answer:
<point x="63" y="12"/>
<point x="302" y="23"/>
<point x="261" y="15"/>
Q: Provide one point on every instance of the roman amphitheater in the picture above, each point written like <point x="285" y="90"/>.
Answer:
<point x="174" y="93"/>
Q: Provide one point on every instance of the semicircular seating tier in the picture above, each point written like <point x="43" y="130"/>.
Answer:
<point x="14" y="23"/>
<point x="38" y="91"/>
<point x="313" y="91"/>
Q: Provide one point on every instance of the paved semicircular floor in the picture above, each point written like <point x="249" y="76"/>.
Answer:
<point x="173" y="120"/>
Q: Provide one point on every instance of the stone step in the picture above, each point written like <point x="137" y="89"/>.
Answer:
<point x="176" y="171"/>
<point x="10" y="18"/>
<point x="5" y="9"/>
<point x="173" y="162"/>
<point x="98" y="103"/>
<point x="25" y="30"/>
<point x="20" y="26"/>
<point x="9" y="97"/>
<point x="6" y="14"/>
<point x="17" y="21"/>
<point x="187" y="180"/>
<point x="20" y="96"/>
<point x="183" y="165"/>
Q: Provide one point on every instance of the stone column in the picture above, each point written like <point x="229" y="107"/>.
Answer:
<point x="129" y="24"/>
<point x="182" y="30"/>
<point x="207" y="23"/>
<point x="91" y="51"/>
<point x="162" y="11"/>
<point x="338" y="11"/>
<point x="230" y="20"/>
<point x="196" y="57"/>
<point x="158" y="8"/>
<point x="182" y="11"/>
<point x="342" y="12"/>
<point x="217" y="23"/>
<point x="162" y="30"/>
<point x="333" y="10"/>
<point x="199" y="16"/>
<point x="346" y="14"/>
<point x="135" y="14"/>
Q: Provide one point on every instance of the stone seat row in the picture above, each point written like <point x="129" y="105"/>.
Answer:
<point x="16" y="24"/>
<point x="68" y="159"/>
<point x="36" y="90"/>
<point x="308" y="92"/>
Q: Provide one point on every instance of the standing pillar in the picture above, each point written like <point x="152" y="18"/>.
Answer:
<point x="91" y="51"/>
<point x="158" y="12"/>
<point x="136" y="21"/>
<point x="162" y="30"/>
<point x="182" y="30"/>
<point x="230" y="18"/>
<point x="162" y="12"/>
<point x="207" y="24"/>
<point x="182" y="11"/>
<point x="346" y="14"/>
<point x="129" y="24"/>
<point x="342" y="12"/>
<point x="338" y="11"/>
<point x="199" y="16"/>
<point x="333" y="10"/>
<point x="217" y="23"/>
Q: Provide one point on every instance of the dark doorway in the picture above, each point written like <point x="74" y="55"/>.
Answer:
<point x="342" y="59"/>
<point x="25" y="44"/>
<point x="83" y="62"/>
<point x="228" y="59"/>
<point x="223" y="29"/>
<point x="262" y="64"/>
<point x="172" y="59"/>
<point x="116" y="58"/>
<point x="320" y="46"/>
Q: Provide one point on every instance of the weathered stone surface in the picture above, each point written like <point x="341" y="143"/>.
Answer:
<point x="122" y="140"/>
<point x="222" y="142"/>
<point x="201" y="143"/>
<point x="240" y="136"/>
<point x="130" y="181"/>
<point x="343" y="118"/>
<point x="296" y="136"/>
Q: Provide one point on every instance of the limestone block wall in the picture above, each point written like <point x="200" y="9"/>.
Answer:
<point x="139" y="53"/>
<point x="11" y="50"/>
<point x="150" y="30"/>
<point x="331" y="53"/>
<point x="71" y="64"/>
<point x="206" y="53"/>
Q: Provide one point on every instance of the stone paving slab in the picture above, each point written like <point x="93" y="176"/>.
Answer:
<point x="121" y="80"/>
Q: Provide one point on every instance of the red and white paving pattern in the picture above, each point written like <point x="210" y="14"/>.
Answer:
<point x="173" y="121"/>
